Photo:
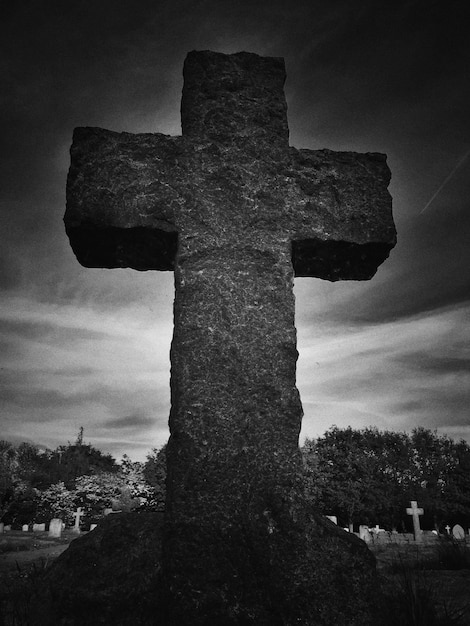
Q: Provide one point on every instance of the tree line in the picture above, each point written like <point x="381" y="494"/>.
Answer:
<point x="362" y="476"/>
<point x="369" y="477"/>
<point x="37" y="485"/>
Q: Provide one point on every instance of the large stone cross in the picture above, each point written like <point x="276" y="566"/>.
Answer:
<point x="236" y="213"/>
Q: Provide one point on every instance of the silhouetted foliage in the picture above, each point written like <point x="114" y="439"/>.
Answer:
<point x="155" y="474"/>
<point x="362" y="476"/>
<point x="368" y="476"/>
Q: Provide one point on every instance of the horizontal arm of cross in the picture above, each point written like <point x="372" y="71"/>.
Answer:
<point x="342" y="222"/>
<point x="120" y="205"/>
<point x="130" y="197"/>
<point x="414" y="509"/>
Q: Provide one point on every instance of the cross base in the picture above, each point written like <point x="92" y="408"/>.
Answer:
<point x="311" y="575"/>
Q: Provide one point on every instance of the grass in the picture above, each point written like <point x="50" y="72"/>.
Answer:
<point x="413" y="593"/>
<point x="411" y="599"/>
<point x="13" y="546"/>
<point x="18" y="592"/>
<point x="453" y="554"/>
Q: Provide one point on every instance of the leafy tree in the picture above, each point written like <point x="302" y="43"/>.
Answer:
<point x="370" y="476"/>
<point x="340" y="475"/>
<point x="69" y="462"/>
<point x="8" y="467"/>
<point x="139" y="488"/>
<point x="441" y="477"/>
<point x="456" y="493"/>
<point x="23" y="505"/>
<point x="154" y="472"/>
<point x="96" y="492"/>
<point x="33" y="465"/>
<point x="55" y="501"/>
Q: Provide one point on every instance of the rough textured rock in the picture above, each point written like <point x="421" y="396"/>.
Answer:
<point x="237" y="213"/>
<point x="108" y="576"/>
<point x="112" y="576"/>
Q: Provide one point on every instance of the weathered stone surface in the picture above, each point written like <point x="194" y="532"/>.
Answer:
<point x="108" y="576"/>
<point x="237" y="213"/>
<point x="112" y="576"/>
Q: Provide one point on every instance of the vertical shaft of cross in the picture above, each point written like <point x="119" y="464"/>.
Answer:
<point x="235" y="419"/>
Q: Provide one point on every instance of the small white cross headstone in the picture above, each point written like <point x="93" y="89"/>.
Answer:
<point x="77" y="515"/>
<point x="415" y="512"/>
<point x="55" y="527"/>
<point x="458" y="532"/>
<point x="448" y="529"/>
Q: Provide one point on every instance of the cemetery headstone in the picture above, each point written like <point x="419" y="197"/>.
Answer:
<point x="77" y="515"/>
<point x="458" y="532"/>
<point x="236" y="214"/>
<point x="7" y="527"/>
<point x="39" y="528"/>
<point x="447" y="529"/>
<point x="25" y="527"/>
<point x="55" y="527"/>
<point x="415" y="512"/>
<point x="93" y="526"/>
<point x="364" y="533"/>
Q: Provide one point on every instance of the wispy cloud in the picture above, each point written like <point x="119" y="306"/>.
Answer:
<point x="72" y="365"/>
<point x="377" y="374"/>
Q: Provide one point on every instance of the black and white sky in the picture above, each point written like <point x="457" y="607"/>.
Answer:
<point x="81" y="347"/>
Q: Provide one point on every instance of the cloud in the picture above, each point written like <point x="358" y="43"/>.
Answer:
<point x="91" y="346"/>
<point x="373" y="374"/>
<point x="70" y="365"/>
<point x="130" y="421"/>
<point x="425" y="362"/>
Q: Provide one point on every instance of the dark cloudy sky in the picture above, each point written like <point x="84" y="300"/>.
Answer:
<point x="90" y="348"/>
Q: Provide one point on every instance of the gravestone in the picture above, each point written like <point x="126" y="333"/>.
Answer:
<point x="236" y="214"/>
<point x="365" y="534"/>
<point x="25" y="528"/>
<point x="458" y="532"/>
<point x="447" y="529"/>
<point x="39" y="528"/>
<point x="415" y="512"/>
<point x="77" y="515"/>
<point x="55" y="527"/>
